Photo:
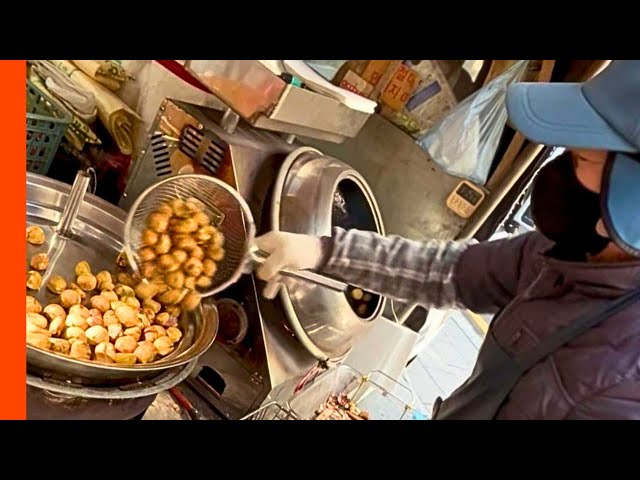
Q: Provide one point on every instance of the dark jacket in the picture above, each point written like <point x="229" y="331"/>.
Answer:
<point x="597" y="376"/>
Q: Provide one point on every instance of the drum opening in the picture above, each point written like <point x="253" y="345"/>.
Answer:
<point x="351" y="210"/>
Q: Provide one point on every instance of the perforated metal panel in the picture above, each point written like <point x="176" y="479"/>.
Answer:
<point x="166" y="154"/>
<point x="203" y="148"/>
<point x="187" y="138"/>
<point x="159" y="150"/>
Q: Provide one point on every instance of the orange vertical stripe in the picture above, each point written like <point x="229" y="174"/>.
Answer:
<point x="13" y="277"/>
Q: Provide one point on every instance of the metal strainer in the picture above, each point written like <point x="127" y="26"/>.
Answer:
<point x="229" y="213"/>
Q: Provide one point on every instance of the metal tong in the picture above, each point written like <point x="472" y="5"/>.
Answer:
<point x="258" y="257"/>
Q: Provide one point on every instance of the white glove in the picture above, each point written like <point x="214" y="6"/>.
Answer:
<point x="286" y="251"/>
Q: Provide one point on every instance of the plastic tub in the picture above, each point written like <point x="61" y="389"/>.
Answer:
<point x="46" y="123"/>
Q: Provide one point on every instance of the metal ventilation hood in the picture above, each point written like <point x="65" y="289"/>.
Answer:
<point x="265" y="101"/>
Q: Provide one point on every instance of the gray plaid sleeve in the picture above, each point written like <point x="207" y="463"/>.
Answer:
<point x="401" y="269"/>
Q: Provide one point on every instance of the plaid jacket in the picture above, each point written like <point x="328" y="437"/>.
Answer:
<point x="597" y="376"/>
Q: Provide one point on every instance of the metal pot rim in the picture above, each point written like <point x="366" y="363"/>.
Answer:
<point x="164" y="381"/>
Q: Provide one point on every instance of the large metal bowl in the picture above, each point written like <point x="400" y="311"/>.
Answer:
<point x="97" y="238"/>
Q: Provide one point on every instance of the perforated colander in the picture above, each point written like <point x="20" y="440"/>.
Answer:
<point x="228" y="212"/>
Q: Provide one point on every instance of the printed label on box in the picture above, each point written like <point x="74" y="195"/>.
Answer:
<point x="356" y="84"/>
<point x="400" y="88"/>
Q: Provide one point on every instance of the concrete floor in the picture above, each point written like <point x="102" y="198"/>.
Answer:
<point x="447" y="361"/>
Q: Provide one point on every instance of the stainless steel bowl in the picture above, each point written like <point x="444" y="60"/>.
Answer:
<point x="96" y="237"/>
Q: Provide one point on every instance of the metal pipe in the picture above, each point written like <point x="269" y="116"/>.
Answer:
<point x="258" y="257"/>
<point x="229" y="121"/>
<point x="74" y="201"/>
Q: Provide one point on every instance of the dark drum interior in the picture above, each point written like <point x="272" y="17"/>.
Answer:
<point x="351" y="210"/>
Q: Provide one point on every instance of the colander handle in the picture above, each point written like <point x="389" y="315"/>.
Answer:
<point x="74" y="202"/>
<point x="258" y="257"/>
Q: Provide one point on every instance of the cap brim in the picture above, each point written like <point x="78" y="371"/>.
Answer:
<point x="621" y="197"/>
<point x="558" y="114"/>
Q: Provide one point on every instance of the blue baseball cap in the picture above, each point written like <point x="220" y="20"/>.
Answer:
<point x="601" y="114"/>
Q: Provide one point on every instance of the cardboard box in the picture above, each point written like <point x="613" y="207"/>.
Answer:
<point x="430" y="99"/>
<point x="375" y="70"/>
<point x="413" y="94"/>
<point x="356" y="84"/>
<point x="400" y="88"/>
<point x="365" y="77"/>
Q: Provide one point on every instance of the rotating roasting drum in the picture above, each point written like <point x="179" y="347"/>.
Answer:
<point x="312" y="194"/>
<point x="95" y="235"/>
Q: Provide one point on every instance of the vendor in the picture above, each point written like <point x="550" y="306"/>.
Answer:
<point x="566" y="341"/>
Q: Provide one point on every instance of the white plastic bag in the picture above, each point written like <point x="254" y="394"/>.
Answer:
<point x="465" y="141"/>
<point x="326" y="68"/>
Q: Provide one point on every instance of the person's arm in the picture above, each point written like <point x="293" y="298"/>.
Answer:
<point x="401" y="269"/>
<point x="435" y="274"/>
<point x="619" y="402"/>
<point x="487" y="275"/>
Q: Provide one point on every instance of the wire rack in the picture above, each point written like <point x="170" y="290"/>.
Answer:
<point x="272" y="411"/>
<point x="377" y="393"/>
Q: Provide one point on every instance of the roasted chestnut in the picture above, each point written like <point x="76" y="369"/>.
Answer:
<point x="34" y="280"/>
<point x="35" y="235"/>
<point x="127" y="316"/>
<point x="80" y="351"/>
<point x="97" y="334"/>
<point x="53" y="310"/>
<point x="158" y="222"/>
<point x="149" y="238"/>
<point x="40" y="262"/>
<point x="164" y="319"/>
<point x="209" y="267"/>
<point x="83" y="268"/>
<point x="162" y="246"/>
<point x="126" y="344"/>
<point x="60" y="345"/>
<point x="100" y="302"/>
<point x="33" y="305"/>
<point x="145" y="352"/>
<point x="105" y="352"/>
<point x="191" y="301"/>
<point x="68" y="298"/>
<point x="37" y="320"/>
<point x="125" y="358"/>
<point x="164" y="345"/>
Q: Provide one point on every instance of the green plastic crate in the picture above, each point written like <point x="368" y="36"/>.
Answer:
<point x="46" y="123"/>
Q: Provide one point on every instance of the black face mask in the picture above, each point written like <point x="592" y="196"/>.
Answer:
<point x="564" y="210"/>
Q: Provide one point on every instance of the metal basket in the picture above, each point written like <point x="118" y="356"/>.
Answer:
<point x="272" y="411"/>
<point x="46" y="124"/>
<point x="228" y="212"/>
<point x="377" y="393"/>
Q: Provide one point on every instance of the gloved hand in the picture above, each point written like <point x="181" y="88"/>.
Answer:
<point x="286" y="250"/>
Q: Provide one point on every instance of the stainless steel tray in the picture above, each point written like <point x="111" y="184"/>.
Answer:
<point x="266" y="101"/>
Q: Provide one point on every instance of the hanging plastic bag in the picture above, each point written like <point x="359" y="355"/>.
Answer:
<point x="326" y="68"/>
<point x="465" y="141"/>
